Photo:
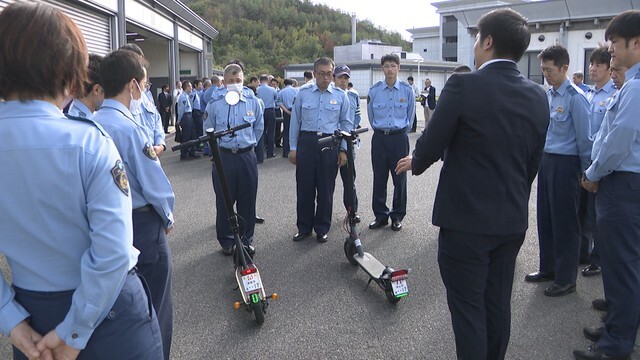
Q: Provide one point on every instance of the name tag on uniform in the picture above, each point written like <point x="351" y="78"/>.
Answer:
<point x="333" y="102"/>
<point x="559" y="110"/>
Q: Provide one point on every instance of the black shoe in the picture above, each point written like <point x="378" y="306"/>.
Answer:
<point x="299" y="237"/>
<point x="194" y="156"/>
<point x="278" y="145"/>
<point x="604" y="316"/>
<point x="186" y="158"/>
<point x="594" y="353"/>
<point x="591" y="270"/>
<point x="357" y="219"/>
<point x="251" y="250"/>
<point x="376" y="224"/>
<point x="540" y="276"/>
<point x="396" y="225"/>
<point x="592" y="333"/>
<point x="559" y="290"/>
<point x="227" y="251"/>
<point x="600" y="304"/>
<point x="323" y="238"/>
<point x="271" y="156"/>
<point x="259" y="220"/>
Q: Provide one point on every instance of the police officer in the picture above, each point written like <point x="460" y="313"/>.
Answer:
<point x="195" y="97"/>
<point x="148" y="114"/>
<point x="597" y="97"/>
<point x="566" y="154"/>
<point x="74" y="292"/>
<point x="269" y="96"/>
<point x="238" y="156"/>
<point x="186" y="122"/>
<point x="319" y="109"/>
<point x="615" y="174"/>
<point x="124" y="77"/>
<point x="285" y="102"/>
<point x="391" y="106"/>
<point x="93" y="95"/>
<point x="341" y="76"/>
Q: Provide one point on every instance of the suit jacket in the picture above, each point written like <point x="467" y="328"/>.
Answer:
<point x="431" y="97"/>
<point x="164" y="101"/>
<point x="493" y="124"/>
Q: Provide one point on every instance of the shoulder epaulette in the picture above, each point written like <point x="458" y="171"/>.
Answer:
<point x="88" y="121"/>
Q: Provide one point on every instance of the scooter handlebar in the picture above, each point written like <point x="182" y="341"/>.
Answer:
<point x="339" y="135"/>
<point x="210" y="133"/>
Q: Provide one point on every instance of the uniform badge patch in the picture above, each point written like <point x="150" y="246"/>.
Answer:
<point x="403" y="100"/>
<point x="602" y="103"/>
<point x="249" y="113"/>
<point x="333" y="102"/>
<point x="149" y="152"/>
<point x="559" y="110"/>
<point x="120" y="177"/>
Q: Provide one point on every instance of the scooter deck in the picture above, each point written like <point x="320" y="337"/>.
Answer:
<point x="370" y="265"/>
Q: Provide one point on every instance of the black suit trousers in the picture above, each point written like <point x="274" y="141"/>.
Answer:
<point x="477" y="272"/>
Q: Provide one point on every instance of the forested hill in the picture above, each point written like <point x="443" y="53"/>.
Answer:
<point x="269" y="34"/>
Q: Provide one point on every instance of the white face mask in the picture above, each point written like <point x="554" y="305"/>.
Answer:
<point x="234" y="87"/>
<point x="134" y="105"/>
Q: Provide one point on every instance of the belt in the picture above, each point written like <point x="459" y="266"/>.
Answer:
<point x="145" y="208"/>
<point x="316" y="133"/>
<point x="236" y="150"/>
<point x="389" y="132"/>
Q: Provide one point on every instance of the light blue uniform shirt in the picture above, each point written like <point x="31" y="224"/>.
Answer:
<point x="286" y="96"/>
<point x="391" y="108"/>
<point x="354" y="100"/>
<point x="66" y="215"/>
<point x="568" y="132"/>
<point x="618" y="142"/>
<point x="147" y="180"/>
<point x="194" y="98"/>
<point x="598" y="104"/>
<point x="319" y="111"/>
<point x="210" y="93"/>
<point x="184" y="105"/>
<point x="151" y="120"/>
<point x="79" y="109"/>
<point x="203" y="104"/>
<point x="268" y="95"/>
<point x="221" y="116"/>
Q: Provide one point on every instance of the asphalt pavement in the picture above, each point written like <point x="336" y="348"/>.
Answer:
<point x="323" y="310"/>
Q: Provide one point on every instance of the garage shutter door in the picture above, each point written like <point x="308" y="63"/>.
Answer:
<point x="95" y="27"/>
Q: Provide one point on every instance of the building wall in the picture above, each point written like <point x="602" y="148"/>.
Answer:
<point x="431" y="44"/>
<point x="157" y="54"/>
<point x="189" y="63"/>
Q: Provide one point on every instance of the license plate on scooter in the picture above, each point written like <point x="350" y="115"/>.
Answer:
<point x="251" y="282"/>
<point x="400" y="288"/>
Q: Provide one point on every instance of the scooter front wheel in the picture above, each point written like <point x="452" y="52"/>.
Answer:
<point x="258" y="312"/>
<point x="350" y="251"/>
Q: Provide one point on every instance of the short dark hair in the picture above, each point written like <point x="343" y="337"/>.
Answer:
<point x="461" y="69"/>
<point x="197" y="82"/>
<point x="509" y="31"/>
<point x="264" y="77"/>
<point x="253" y="78"/>
<point x="600" y="55"/>
<point x="557" y="53"/>
<point x="133" y="47"/>
<point x="34" y="61"/>
<point x="165" y="87"/>
<point x="625" y="25"/>
<point x="323" y="61"/>
<point x="288" y="82"/>
<point x="410" y="78"/>
<point x="93" y="73"/>
<point x="350" y="84"/>
<point x="118" y="68"/>
<point x="308" y="75"/>
<point x="390" y="58"/>
<point x="185" y="84"/>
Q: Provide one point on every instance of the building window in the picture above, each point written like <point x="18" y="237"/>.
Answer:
<point x="529" y="66"/>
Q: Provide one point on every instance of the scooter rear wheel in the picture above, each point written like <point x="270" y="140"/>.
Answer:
<point x="350" y="251"/>
<point x="258" y="312"/>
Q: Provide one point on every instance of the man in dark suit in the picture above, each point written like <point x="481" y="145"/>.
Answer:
<point x="164" y="107"/>
<point x="428" y="100"/>
<point x="492" y="123"/>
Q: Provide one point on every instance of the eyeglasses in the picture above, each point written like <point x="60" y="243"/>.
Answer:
<point x="324" y="74"/>
<point x="390" y="66"/>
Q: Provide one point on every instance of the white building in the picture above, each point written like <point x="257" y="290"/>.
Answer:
<point x="426" y="42"/>
<point x="578" y="25"/>
<point x="175" y="41"/>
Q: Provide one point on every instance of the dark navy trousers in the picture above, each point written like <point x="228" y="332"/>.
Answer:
<point x="129" y="331"/>
<point x="241" y="173"/>
<point x="477" y="272"/>
<point x="558" y="224"/>
<point x="588" y="233"/>
<point x="197" y="123"/>
<point x="270" y="130"/>
<point x="386" y="151"/>
<point x="316" y="171"/>
<point x="188" y="133"/>
<point x="618" y="220"/>
<point x="286" y="122"/>
<point x="156" y="267"/>
<point x="344" y="172"/>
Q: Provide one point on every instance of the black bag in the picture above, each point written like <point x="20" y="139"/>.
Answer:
<point x="178" y="134"/>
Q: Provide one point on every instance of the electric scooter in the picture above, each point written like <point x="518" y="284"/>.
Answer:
<point x="247" y="275"/>
<point x="392" y="282"/>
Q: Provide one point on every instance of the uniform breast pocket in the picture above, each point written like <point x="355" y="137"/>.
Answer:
<point x="380" y="110"/>
<point x="309" y="110"/>
<point x="559" y="122"/>
<point x="332" y="107"/>
<point x="249" y="118"/>
<point x="400" y="109"/>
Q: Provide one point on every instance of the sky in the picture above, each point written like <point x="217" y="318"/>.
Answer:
<point x="394" y="15"/>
